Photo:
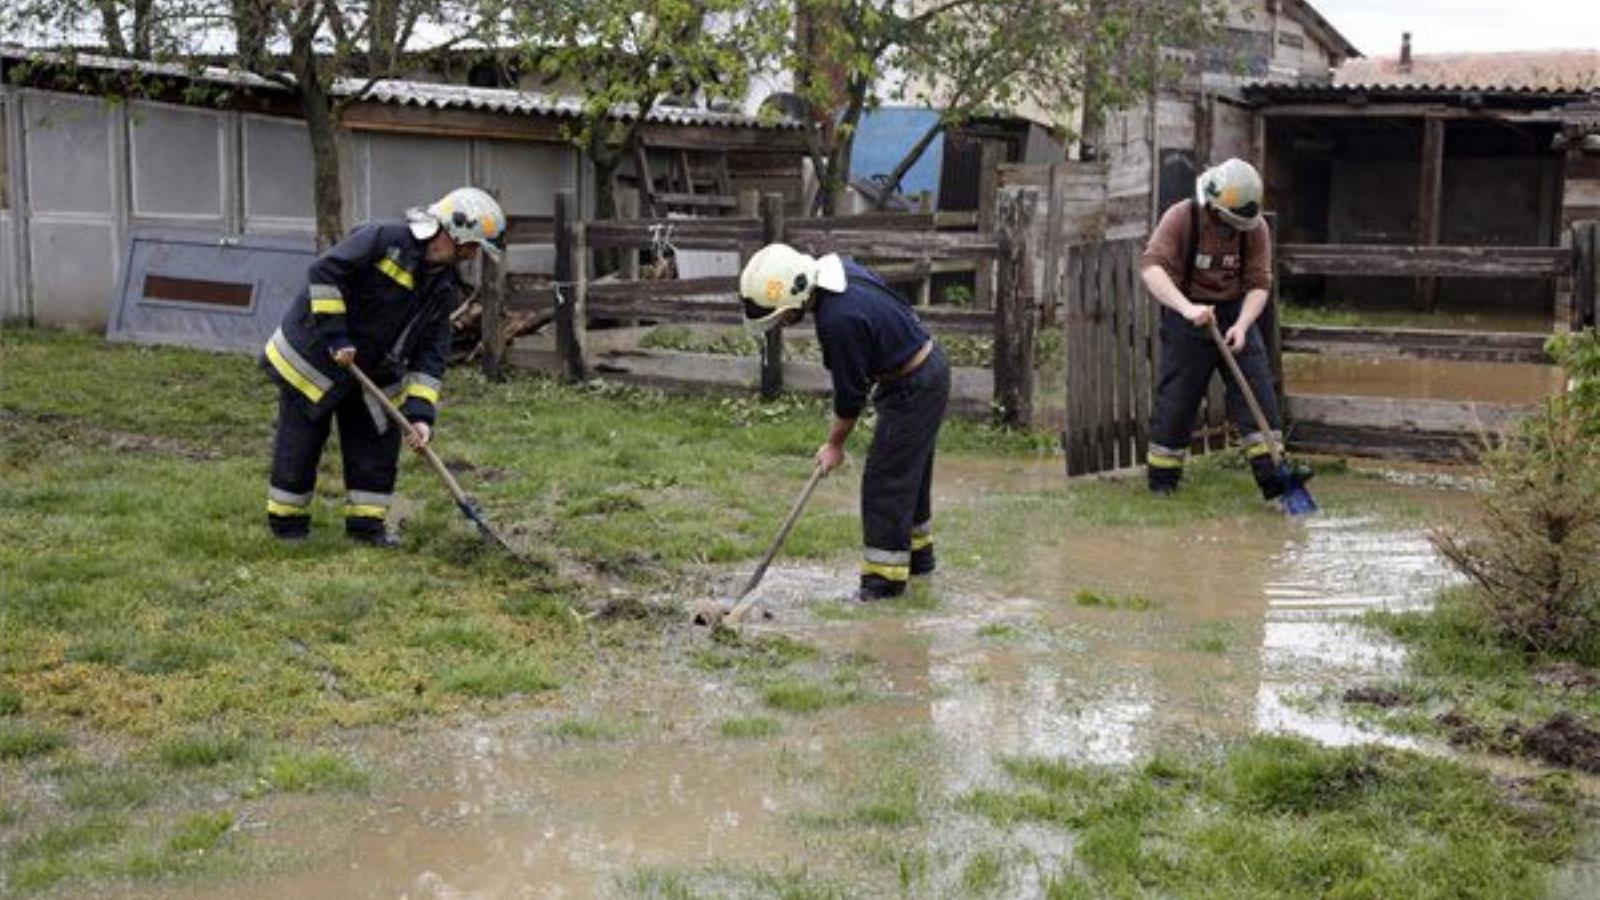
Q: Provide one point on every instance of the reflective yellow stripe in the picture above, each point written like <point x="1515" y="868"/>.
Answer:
<point x="893" y="573"/>
<point x="1164" y="462"/>
<point x="283" y="509"/>
<point x="365" y="512"/>
<point x="423" y="392"/>
<point x="292" y="375"/>
<point x="921" y="541"/>
<point x="1255" y="450"/>
<point x="326" y="307"/>
<point x="394" y="270"/>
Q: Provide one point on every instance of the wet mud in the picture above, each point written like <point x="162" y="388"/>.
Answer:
<point x="1095" y="645"/>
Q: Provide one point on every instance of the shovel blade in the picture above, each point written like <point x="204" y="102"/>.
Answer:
<point x="1296" y="500"/>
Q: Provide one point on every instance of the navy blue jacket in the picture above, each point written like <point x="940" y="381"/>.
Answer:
<point x="372" y="291"/>
<point x="866" y="332"/>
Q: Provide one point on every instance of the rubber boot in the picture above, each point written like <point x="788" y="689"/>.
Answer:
<point x="289" y="528"/>
<point x="922" y="562"/>
<point x="877" y="587"/>
<point x="1163" y="480"/>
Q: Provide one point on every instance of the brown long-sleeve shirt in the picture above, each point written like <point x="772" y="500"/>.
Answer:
<point x="1218" y="276"/>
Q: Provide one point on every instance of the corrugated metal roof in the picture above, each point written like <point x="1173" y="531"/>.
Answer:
<point x="405" y="93"/>
<point x="516" y="102"/>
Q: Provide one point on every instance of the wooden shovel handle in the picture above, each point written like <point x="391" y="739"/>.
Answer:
<point x="1249" y="395"/>
<point x="395" y="416"/>
<point x="747" y="595"/>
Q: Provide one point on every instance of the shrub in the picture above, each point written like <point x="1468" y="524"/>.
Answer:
<point x="1532" y="552"/>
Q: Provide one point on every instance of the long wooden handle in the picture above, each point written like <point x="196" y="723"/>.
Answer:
<point x="395" y="416"/>
<point x="1249" y="395"/>
<point x="746" y="596"/>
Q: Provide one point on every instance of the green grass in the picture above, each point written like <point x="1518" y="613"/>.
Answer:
<point x="500" y="677"/>
<point x="10" y="701"/>
<point x="803" y="697"/>
<point x="746" y="727"/>
<point x="296" y="771"/>
<point x="1090" y="598"/>
<point x="200" y="832"/>
<point x="1283" y="817"/>
<point x="1211" y="637"/>
<point x="1455" y="663"/>
<point x="201" y="750"/>
<point x="23" y="740"/>
<point x="111" y="789"/>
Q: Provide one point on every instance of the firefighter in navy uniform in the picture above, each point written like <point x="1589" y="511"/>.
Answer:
<point x="381" y="298"/>
<point x="874" y="347"/>
<point x="1210" y="259"/>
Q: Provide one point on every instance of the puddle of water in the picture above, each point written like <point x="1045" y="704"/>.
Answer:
<point x="1250" y="626"/>
<point x="1435" y="379"/>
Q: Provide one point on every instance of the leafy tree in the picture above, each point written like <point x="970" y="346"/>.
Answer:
<point x="305" y="46"/>
<point x="631" y="56"/>
<point x="966" y="57"/>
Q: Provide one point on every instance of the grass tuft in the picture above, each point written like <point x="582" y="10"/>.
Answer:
<point x="750" y="727"/>
<point x="499" y="677"/>
<point x="24" y="740"/>
<point x="312" y="771"/>
<point x="201" y="751"/>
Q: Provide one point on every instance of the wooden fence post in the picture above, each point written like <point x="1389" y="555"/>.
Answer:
<point x="989" y="159"/>
<point x="1014" y="309"/>
<point x="772" y="343"/>
<point x="1585" y="274"/>
<point x="1271" y="318"/>
<point x="628" y="211"/>
<point x="570" y="322"/>
<point x="491" y="325"/>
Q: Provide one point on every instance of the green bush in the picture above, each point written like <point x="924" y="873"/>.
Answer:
<point x="1532" y="551"/>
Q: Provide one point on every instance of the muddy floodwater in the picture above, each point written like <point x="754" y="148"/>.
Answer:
<point x="1432" y="379"/>
<point x="1186" y="635"/>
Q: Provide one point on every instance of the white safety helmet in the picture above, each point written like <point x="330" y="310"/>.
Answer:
<point x="1233" y="190"/>
<point x="469" y="216"/>
<point x="779" y="278"/>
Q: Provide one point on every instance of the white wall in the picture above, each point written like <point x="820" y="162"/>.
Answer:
<point x="72" y="183"/>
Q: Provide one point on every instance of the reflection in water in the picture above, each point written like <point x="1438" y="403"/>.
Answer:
<point x="1342" y="567"/>
<point x="1436" y="379"/>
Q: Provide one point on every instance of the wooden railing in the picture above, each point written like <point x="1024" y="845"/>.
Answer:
<point x="894" y="242"/>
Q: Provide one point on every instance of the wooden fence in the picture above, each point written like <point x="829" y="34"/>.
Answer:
<point x="900" y="243"/>
<point x="1426" y="428"/>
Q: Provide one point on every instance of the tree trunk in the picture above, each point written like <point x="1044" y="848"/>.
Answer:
<point x="322" y="128"/>
<point x="111" y="28"/>
<point x="383" y="27"/>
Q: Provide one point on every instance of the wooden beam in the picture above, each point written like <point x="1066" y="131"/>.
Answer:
<point x="456" y="123"/>
<point x="1476" y="346"/>
<point x="1381" y="443"/>
<point x="892" y="244"/>
<point x="1430" y="184"/>
<point x="686" y="234"/>
<point x="725" y="286"/>
<point x="1395" y="260"/>
<point x="719" y="137"/>
<point x="570" y="319"/>
<point x="1466" y="418"/>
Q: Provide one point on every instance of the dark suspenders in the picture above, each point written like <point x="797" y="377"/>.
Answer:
<point x="1194" y="249"/>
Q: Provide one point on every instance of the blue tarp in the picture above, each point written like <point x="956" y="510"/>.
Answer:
<point x="883" y="138"/>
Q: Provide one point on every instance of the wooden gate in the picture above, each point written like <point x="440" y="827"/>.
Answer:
<point x="1113" y="342"/>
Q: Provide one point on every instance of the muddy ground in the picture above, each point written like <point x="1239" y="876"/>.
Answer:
<point x="1096" y="645"/>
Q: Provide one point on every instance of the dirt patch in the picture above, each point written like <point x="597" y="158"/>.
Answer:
<point x="1564" y="741"/>
<point x="1569" y="677"/>
<point x="67" y="430"/>
<point x="486" y="474"/>
<point x="1374" y="695"/>
<point x="1461" y="730"/>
